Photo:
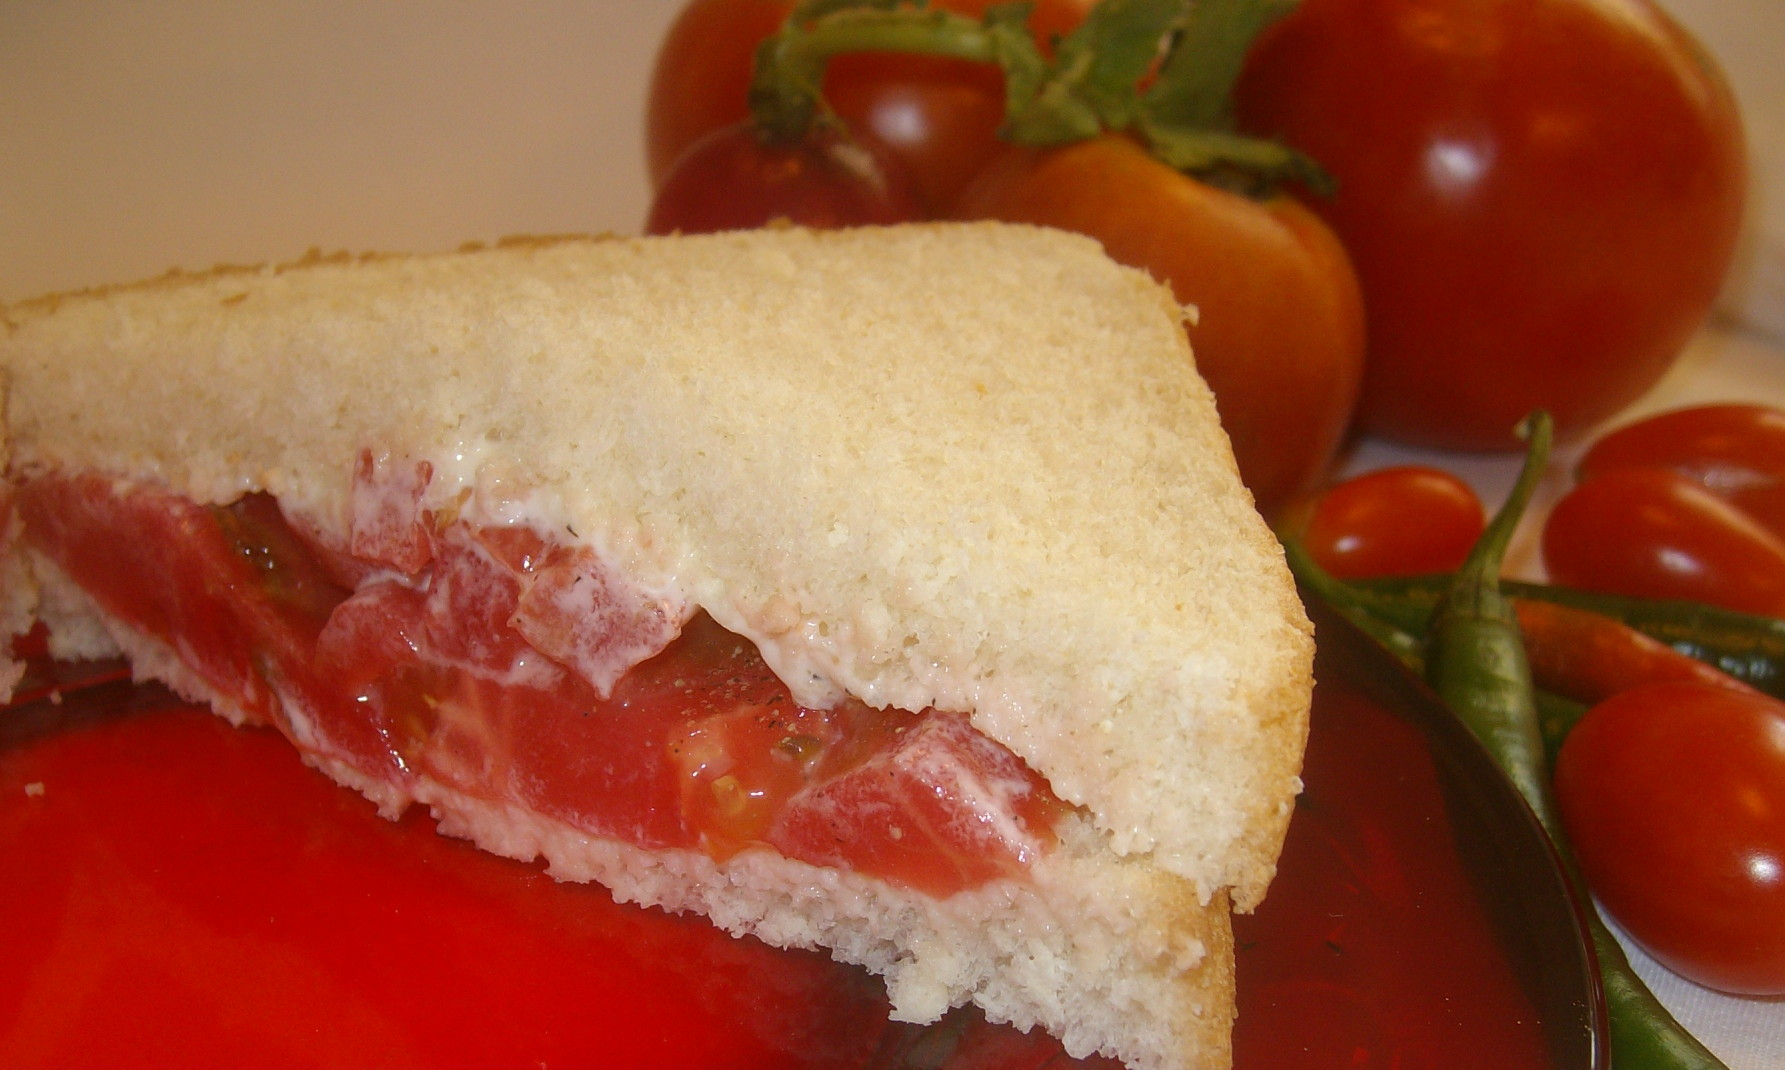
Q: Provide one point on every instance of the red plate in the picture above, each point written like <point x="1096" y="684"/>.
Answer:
<point x="176" y="892"/>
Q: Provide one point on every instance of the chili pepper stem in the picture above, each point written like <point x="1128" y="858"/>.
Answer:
<point x="1476" y="661"/>
<point x="1336" y="593"/>
<point x="1475" y="654"/>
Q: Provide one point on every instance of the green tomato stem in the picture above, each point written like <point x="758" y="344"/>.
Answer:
<point x="786" y="92"/>
<point x="1195" y="84"/>
<point x="1189" y="53"/>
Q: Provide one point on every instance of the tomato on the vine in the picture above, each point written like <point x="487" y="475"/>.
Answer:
<point x="735" y="179"/>
<point x="701" y="78"/>
<point x="1407" y="520"/>
<point x="1279" y="330"/>
<point x="1736" y="451"/>
<point x="1655" y="533"/>
<point x="938" y="116"/>
<point x="1674" y="797"/>
<point x="1541" y="197"/>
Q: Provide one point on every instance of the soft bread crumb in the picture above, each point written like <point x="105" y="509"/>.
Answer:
<point x="1093" y="949"/>
<point x="963" y="466"/>
<point x="968" y="466"/>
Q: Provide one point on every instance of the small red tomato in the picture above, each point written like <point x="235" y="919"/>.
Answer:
<point x="1654" y="533"/>
<point x="939" y="117"/>
<point x="734" y="179"/>
<point x="1736" y="451"/>
<point x="1408" y="520"/>
<point x="1674" y="797"/>
<point x="701" y="77"/>
<point x="1279" y="330"/>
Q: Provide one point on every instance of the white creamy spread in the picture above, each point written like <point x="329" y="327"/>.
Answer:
<point x="589" y="611"/>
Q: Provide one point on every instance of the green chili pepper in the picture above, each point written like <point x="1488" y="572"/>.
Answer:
<point x="1475" y="656"/>
<point x="1361" y="602"/>
<point x="1475" y="660"/>
<point x="1749" y="647"/>
<point x="1337" y="593"/>
<point x="1473" y="653"/>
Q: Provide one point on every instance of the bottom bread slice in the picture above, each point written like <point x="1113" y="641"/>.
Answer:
<point x="959" y="487"/>
<point x="1111" y="955"/>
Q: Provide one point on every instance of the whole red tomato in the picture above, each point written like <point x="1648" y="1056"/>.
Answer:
<point x="1408" y="520"/>
<point x="1674" y="797"/>
<point x="734" y="179"/>
<point x="1654" y="533"/>
<point x="1541" y="197"/>
<point x="1279" y="331"/>
<point x="1736" y="451"/>
<point x="939" y="117"/>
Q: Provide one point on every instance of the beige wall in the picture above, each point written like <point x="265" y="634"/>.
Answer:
<point x="136" y="136"/>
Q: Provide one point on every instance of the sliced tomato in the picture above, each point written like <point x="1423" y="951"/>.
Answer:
<point x="385" y="527"/>
<point x="573" y="609"/>
<point x="949" y="807"/>
<point x="230" y="590"/>
<point x="484" y="671"/>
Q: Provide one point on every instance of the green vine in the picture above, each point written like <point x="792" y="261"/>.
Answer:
<point x="1162" y="71"/>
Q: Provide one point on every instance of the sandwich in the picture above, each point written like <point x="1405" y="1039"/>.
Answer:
<point x="887" y="591"/>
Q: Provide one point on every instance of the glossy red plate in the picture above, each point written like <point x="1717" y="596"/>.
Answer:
<point x="177" y="892"/>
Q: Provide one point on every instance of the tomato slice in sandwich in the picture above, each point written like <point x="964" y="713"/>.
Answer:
<point x="483" y="659"/>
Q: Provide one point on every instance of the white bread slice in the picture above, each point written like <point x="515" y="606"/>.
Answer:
<point x="962" y="466"/>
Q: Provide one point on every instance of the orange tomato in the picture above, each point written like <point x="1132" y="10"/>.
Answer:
<point x="1279" y="330"/>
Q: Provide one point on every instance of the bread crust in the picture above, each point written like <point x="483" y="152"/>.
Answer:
<point x="964" y="466"/>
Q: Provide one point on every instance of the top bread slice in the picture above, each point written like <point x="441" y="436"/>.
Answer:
<point x="962" y="466"/>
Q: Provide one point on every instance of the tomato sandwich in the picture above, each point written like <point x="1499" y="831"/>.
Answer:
<point x="888" y="591"/>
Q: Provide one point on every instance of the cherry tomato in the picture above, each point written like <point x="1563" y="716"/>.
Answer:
<point x="1541" y="197"/>
<point x="1403" y="521"/>
<point x="702" y="74"/>
<point x="1654" y="533"/>
<point x="1735" y="451"/>
<point x="1674" y="796"/>
<point x="939" y="117"/>
<point x="733" y="179"/>
<point x="1279" y="330"/>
